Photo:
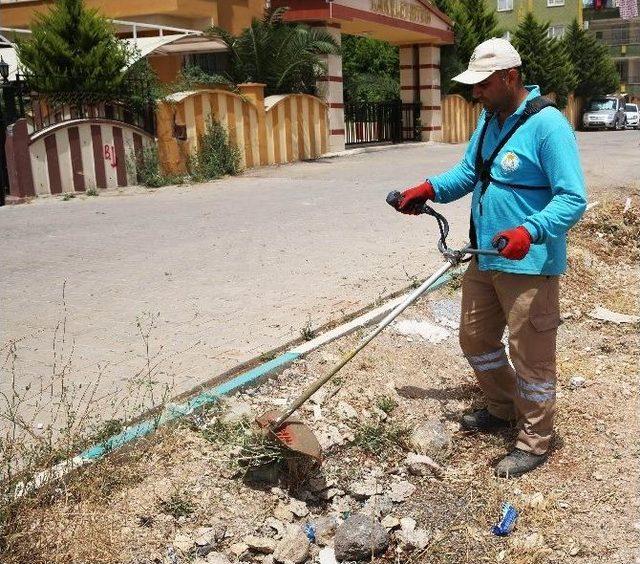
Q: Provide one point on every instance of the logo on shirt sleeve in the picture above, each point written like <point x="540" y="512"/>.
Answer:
<point x="510" y="162"/>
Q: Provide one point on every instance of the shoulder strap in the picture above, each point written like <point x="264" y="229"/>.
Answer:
<point x="538" y="103"/>
<point x="532" y="107"/>
<point x="487" y="118"/>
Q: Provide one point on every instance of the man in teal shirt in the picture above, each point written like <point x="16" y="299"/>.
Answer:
<point x="523" y="167"/>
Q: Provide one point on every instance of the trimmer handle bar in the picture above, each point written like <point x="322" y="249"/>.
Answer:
<point x="393" y="199"/>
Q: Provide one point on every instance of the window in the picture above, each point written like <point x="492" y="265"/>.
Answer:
<point x="505" y="5"/>
<point x="210" y="63"/>
<point x="551" y="3"/>
<point x="555" y="31"/>
<point x="602" y="104"/>
<point x="630" y="108"/>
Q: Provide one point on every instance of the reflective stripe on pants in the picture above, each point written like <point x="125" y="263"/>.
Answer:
<point x="528" y="305"/>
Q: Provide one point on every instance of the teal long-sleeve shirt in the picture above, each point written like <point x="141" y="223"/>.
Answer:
<point x="542" y="152"/>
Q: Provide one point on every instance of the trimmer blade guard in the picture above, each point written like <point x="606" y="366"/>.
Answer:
<point x="293" y="434"/>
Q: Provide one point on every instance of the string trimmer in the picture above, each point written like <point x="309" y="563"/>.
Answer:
<point x="292" y="433"/>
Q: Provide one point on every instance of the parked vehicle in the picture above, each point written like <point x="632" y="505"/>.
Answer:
<point x="633" y="115"/>
<point x="605" y="112"/>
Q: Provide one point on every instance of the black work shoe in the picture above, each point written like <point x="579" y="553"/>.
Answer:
<point x="518" y="462"/>
<point x="482" y="420"/>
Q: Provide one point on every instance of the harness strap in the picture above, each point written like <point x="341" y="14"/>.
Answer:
<point x="483" y="167"/>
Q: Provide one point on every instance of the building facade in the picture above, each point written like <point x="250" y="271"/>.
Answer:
<point x="622" y="38"/>
<point x="416" y="26"/>
<point x="559" y="14"/>
<point x="197" y="15"/>
<point x="233" y="15"/>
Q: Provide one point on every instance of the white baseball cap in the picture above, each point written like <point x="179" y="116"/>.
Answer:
<point x="491" y="55"/>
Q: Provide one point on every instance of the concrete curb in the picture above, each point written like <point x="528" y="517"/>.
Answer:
<point x="210" y="396"/>
<point x="377" y="149"/>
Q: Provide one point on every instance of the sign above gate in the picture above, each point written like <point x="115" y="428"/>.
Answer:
<point x="400" y="22"/>
<point x="402" y="10"/>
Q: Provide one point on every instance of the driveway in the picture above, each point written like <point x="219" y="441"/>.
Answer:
<point x="211" y="275"/>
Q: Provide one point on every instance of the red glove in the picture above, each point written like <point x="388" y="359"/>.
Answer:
<point x="412" y="200"/>
<point x="518" y="243"/>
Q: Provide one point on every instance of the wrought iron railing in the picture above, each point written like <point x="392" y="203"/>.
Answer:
<point x="618" y="36"/>
<point x="380" y="122"/>
<point x="130" y="104"/>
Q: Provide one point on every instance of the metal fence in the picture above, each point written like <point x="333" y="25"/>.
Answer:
<point x="618" y="36"/>
<point x="380" y="122"/>
<point x="131" y="103"/>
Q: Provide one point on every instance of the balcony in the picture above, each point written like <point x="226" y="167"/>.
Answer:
<point x="606" y="13"/>
<point x="613" y="37"/>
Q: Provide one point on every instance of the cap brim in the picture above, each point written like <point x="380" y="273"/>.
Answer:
<point x="472" y="77"/>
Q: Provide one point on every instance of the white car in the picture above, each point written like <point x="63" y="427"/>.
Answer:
<point x="604" y="112"/>
<point x="633" y="115"/>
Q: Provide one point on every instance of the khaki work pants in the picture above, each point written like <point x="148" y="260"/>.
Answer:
<point x="529" y="306"/>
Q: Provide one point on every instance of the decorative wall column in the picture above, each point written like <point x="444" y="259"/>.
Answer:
<point x="430" y="94"/>
<point x="420" y="82"/>
<point x="254" y="91"/>
<point x="18" y="161"/>
<point x="330" y="88"/>
<point x="409" y="93"/>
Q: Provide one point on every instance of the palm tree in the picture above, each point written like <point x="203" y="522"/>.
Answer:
<point x="285" y="57"/>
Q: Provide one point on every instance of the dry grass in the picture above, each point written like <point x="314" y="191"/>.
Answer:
<point x="128" y="507"/>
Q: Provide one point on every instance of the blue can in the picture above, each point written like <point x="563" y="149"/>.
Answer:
<point x="507" y="521"/>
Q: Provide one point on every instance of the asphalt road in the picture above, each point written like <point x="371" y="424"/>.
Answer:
<point x="226" y="270"/>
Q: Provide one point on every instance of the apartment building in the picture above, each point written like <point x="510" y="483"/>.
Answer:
<point x="622" y="37"/>
<point x="559" y="13"/>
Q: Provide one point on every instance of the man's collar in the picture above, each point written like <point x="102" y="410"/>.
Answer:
<point x="534" y="92"/>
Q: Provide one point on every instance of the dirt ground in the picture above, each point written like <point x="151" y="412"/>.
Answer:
<point x="151" y="502"/>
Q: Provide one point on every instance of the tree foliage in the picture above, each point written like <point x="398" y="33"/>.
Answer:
<point x="545" y="61"/>
<point x="371" y="70"/>
<point x="594" y="67"/>
<point x="474" y="22"/>
<point x="72" y="49"/>
<point x="285" y="57"/>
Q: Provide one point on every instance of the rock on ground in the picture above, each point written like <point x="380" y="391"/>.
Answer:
<point x="327" y="556"/>
<point x="264" y="545"/>
<point x="360" y="536"/>
<point x="401" y="491"/>
<point x="283" y="513"/>
<point x="298" y="508"/>
<point x="378" y="506"/>
<point x="217" y="558"/>
<point x="294" y="547"/>
<point x="430" y="436"/>
<point x="364" y="489"/>
<point x="324" y="529"/>
<point x="422" y="465"/>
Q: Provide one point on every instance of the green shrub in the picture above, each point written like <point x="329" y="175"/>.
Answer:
<point x="72" y="48"/>
<point x="148" y="171"/>
<point x="192" y="77"/>
<point x="215" y="156"/>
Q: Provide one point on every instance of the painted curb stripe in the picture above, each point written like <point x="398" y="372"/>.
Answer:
<point x="175" y="411"/>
